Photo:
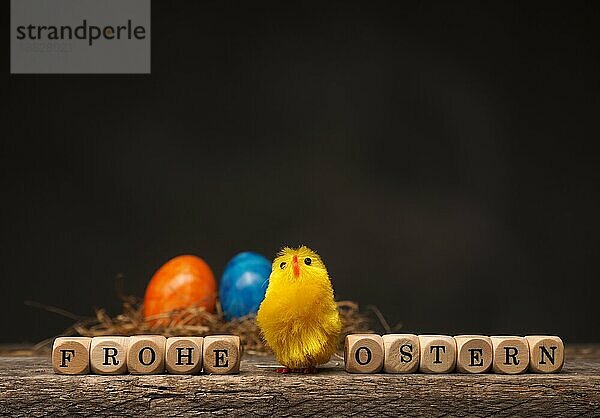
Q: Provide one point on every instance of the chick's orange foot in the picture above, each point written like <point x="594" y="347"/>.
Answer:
<point x="305" y="370"/>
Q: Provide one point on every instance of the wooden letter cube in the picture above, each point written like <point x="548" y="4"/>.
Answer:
<point x="184" y="355"/>
<point x="222" y="354"/>
<point x="71" y="355"/>
<point x="108" y="355"/>
<point x="474" y="353"/>
<point x="511" y="354"/>
<point x="401" y="353"/>
<point x="546" y="353"/>
<point x="363" y="353"/>
<point x="438" y="353"/>
<point x="146" y="354"/>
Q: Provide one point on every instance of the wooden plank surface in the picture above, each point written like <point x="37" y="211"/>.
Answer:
<point x="28" y="387"/>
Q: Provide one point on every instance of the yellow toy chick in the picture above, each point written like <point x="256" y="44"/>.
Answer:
<point x="299" y="318"/>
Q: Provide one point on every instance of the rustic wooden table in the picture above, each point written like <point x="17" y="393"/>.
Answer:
<point x="28" y="387"/>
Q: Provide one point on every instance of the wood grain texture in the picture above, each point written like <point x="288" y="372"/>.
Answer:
<point x="28" y="387"/>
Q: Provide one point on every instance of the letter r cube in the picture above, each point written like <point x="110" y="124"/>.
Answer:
<point x="108" y="355"/>
<point x="511" y="354"/>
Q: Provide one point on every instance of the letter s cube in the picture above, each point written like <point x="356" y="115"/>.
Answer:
<point x="402" y="353"/>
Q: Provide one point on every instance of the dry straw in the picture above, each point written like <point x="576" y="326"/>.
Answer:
<point x="191" y="321"/>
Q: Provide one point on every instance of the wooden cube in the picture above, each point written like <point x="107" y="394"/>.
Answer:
<point x="71" y="355"/>
<point x="438" y="353"/>
<point x="546" y="353"/>
<point x="146" y="354"/>
<point x="474" y="353"/>
<point x="184" y="355"/>
<point x="363" y="353"/>
<point x="511" y="354"/>
<point x="108" y="355"/>
<point x="221" y="354"/>
<point x="401" y="353"/>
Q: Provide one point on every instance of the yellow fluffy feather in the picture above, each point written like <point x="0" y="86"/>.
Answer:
<point x="299" y="318"/>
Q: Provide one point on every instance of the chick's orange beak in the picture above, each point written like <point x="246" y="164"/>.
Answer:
<point x="295" y="266"/>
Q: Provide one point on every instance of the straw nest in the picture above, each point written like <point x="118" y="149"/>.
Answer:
<point x="190" y="321"/>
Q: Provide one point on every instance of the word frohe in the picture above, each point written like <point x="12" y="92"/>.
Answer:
<point x="147" y="354"/>
<point x="409" y="353"/>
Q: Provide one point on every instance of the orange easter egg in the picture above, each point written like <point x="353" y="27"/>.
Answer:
<point x="181" y="282"/>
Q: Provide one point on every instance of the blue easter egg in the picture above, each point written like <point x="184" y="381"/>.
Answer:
<point x="243" y="284"/>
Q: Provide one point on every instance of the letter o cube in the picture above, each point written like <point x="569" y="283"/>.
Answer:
<point x="363" y="353"/>
<point x="146" y="354"/>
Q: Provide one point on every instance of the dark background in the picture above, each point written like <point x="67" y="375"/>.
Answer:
<point x="440" y="157"/>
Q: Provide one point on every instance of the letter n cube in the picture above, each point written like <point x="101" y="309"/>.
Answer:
<point x="546" y="353"/>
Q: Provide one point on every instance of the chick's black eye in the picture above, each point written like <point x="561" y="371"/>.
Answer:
<point x="307" y="261"/>
<point x="283" y="264"/>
